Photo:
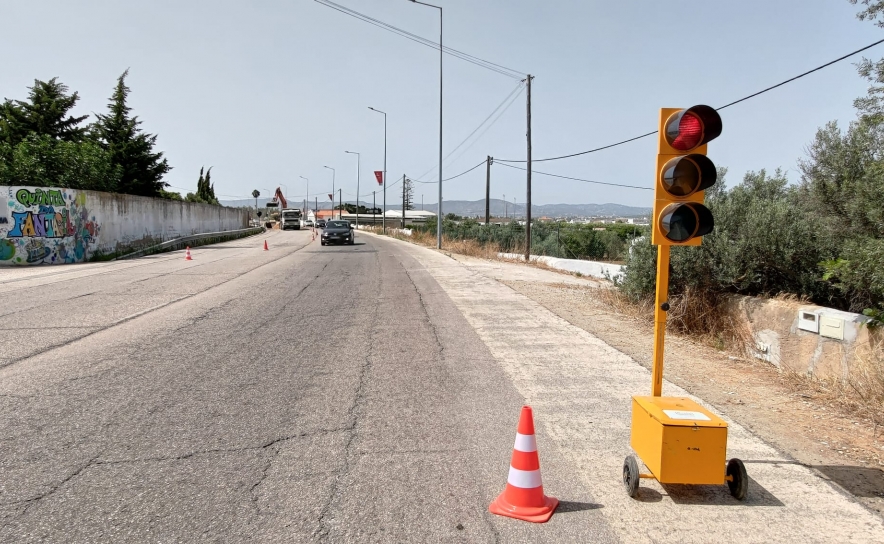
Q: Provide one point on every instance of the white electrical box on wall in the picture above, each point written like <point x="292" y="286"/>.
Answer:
<point x="809" y="321"/>
<point x="832" y="327"/>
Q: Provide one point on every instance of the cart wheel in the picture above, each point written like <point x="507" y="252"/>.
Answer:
<point x="630" y="475"/>
<point x="739" y="483"/>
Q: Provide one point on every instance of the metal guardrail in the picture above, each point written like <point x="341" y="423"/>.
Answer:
<point x="180" y="243"/>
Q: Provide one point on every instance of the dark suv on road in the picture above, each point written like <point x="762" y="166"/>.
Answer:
<point x="320" y="223"/>
<point x="337" y="231"/>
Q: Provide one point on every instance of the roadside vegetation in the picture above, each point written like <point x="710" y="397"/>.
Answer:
<point x="43" y="145"/>
<point x="593" y="241"/>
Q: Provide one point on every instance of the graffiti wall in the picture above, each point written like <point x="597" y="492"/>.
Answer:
<point x="47" y="225"/>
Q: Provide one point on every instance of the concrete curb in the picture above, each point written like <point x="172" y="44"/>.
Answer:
<point x="605" y="271"/>
<point x="193" y="240"/>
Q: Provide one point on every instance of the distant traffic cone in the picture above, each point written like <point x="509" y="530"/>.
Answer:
<point x="187" y="256"/>
<point x="523" y="497"/>
<point x="265" y="246"/>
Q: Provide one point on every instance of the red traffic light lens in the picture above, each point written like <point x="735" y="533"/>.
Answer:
<point x="685" y="133"/>
<point x="688" y="129"/>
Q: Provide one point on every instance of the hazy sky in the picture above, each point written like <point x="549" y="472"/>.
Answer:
<point x="267" y="91"/>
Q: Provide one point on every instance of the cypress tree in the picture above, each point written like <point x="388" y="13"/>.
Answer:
<point x="130" y="148"/>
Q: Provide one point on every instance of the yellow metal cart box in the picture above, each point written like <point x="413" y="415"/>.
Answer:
<point x="680" y="441"/>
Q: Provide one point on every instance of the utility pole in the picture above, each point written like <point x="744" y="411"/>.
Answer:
<point x="315" y="208"/>
<point x="488" y="190"/>
<point x="340" y="204"/>
<point x="373" y="210"/>
<point x="528" y="204"/>
<point x="403" y="201"/>
<point x="505" y="214"/>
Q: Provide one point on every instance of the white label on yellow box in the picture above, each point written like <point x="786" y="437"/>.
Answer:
<point x="687" y="415"/>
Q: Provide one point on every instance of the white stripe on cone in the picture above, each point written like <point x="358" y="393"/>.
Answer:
<point x="526" y="479"/>
<point x="525" y="443"/>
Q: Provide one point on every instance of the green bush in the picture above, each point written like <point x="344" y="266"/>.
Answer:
<point x="763" y="243"/>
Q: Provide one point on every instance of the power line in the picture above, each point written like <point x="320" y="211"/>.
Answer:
<point x="772" y="87"/>
<point x="503" y="70"/>
<point x="464" y="172"/>
<point x="512" y="97"/>
<point x="578" y="179"/>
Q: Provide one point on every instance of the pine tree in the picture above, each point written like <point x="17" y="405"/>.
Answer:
<point x="131" y="149"/>
<point x="44" y="113"/>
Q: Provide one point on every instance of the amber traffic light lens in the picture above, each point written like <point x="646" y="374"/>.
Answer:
<point x="678" y="222"/>
<point x="680" y="177"/>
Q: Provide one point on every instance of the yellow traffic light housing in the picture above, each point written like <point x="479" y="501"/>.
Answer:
<point x="680" y="441"/>
<point x="683" y="173"/>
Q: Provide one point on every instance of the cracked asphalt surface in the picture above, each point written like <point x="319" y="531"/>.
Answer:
<point x="300" y="394"/>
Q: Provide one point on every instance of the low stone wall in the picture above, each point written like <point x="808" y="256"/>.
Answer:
<point x="49" y="225"/>
<point x="808" y="339"/>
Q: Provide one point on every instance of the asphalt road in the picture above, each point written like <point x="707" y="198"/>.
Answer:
<point x="299" y="394"/>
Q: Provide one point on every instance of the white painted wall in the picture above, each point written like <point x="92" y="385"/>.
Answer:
<point x="50" y="225"/>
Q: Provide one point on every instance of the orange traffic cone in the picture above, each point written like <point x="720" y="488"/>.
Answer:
<point x="265" y="246"/>
<point x="187" y="256"/>
<point x="523" y="497"/>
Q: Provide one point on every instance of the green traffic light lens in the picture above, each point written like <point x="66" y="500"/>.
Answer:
<point x="679" y="222"/>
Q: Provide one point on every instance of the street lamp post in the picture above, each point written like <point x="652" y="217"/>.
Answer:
<point x="357" y="185"/>
<point x="439" y="211"/>
<point x="308" y="197"/>
<point x="384" y="215"/>
<point x="333" y="190"/>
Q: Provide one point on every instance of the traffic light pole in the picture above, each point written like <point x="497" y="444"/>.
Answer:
<point x="661" y="306"/>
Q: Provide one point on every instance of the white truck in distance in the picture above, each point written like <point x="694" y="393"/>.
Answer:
<point x="290" y="219"/>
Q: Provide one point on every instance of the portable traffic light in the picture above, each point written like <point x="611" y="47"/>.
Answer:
<point x="683" y="173"/>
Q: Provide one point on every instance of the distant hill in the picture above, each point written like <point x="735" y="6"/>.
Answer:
<point x="477" y="207"/>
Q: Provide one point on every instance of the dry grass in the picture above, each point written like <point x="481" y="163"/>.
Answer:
<point x="452" y="245"/>
<point x="861" y="393"/>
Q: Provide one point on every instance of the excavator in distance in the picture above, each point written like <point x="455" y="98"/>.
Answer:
<point x="289" y="218"/>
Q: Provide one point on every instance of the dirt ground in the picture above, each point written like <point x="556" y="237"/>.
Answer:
<point x="842" y="448"/>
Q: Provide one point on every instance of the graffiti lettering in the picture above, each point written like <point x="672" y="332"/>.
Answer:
<point x="4" y="221"/>
<point x="47" y="224"/>
<point x="39" y="197"/>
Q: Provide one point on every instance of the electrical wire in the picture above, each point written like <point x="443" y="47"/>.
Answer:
<point x="464" y="172"/>
<point x="512" y="97"/>
<point x="578" y="179"/>
<point x="503" y="70"/>
<point x="753" y="95"/>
